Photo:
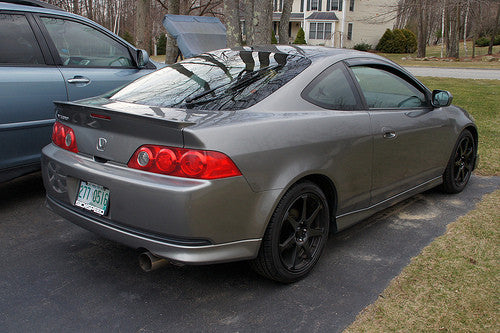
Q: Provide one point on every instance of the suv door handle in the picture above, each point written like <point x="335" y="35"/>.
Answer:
<point x="79" y="79"/>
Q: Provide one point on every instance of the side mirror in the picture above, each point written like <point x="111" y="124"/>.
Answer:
<point x="441" y="98"/>
<point x="142" y="58"/>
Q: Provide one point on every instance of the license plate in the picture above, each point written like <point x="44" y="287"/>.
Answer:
<point x="92" y="197"/>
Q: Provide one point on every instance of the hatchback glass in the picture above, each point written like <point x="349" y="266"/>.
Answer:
<point x="221" y="80"/>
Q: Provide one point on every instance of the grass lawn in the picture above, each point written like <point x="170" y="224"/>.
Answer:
<point x="453" y="285"/>
<point x="435" y="51"/>
<point x="482" y="99"/>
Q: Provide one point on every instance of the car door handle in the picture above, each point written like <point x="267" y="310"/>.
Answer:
<point x="389" y="135"/>
<point x="79" y="79"/>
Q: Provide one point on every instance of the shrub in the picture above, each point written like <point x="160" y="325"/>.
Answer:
<point x="385" y="43"/>
<point x="273" y="38"/>
<point x="161" y="44"/>
<point x="397" y="41"/>
<point x="411" y="40"/>
<point x="362" y="47"/>
<point x="301" y="37"/>
<point x="485" y="41"/>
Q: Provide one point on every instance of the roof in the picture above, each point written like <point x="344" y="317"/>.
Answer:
<point x="293" y="16"/>
<point x="196" y="34"/>
<point x="32" y="3"/>
<point x="308" y="51"/>
<point x="324" y="16"/>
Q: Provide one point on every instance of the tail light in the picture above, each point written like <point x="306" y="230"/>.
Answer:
<point x="180" y="162"/>
<point x="64" y="137"/>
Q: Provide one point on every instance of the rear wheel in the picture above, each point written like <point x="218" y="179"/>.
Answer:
<point x="460" y="165"/>
<point x="295" y="236"/>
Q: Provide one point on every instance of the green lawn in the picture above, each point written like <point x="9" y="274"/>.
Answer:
<point x="481" y="98"/>
<point x="435" y="51"/>
<point x="454" y="284"/>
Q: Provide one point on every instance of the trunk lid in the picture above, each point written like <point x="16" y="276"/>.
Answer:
<point x="112" y="131"/>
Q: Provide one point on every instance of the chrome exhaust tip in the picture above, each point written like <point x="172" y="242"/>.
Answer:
<point x="149" y="262"/>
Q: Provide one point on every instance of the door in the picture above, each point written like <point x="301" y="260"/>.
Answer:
<point x="90" y="61"/>
<point x="407" y="132"/>
<point x="28" y="85"/>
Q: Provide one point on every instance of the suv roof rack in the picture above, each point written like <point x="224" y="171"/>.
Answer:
<point x="33" y="3"/>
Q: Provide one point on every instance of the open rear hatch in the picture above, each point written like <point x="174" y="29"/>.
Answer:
<point x="112" y="131"/>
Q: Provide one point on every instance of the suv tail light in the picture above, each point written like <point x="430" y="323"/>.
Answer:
<point x="64" y="137"/>
<point x="180" y="162"/>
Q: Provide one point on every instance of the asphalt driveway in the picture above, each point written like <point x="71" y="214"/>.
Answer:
<point x="57" y="277"/>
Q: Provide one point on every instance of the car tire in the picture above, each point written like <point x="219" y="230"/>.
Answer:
<point x="295" y="236"/>
<point x="459" y="168"/>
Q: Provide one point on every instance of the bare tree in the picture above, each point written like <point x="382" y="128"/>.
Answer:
<point x="232" y="20"/>
<point x="249" y="7"/>
<point x="141" y="24"/>
<point x="285" y="21"/>
<point x="262" y="21"/>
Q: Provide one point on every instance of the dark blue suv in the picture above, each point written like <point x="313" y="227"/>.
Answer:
<point x="47" y="55"/>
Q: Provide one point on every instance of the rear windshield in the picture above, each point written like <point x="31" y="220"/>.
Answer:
<point x="220" y="80"/>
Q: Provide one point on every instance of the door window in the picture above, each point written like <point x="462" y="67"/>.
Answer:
<point x="17" y="41"/>
<point x="383" y="89"/>
<point x="81" y="45"/>
<point x="331" y="90"/>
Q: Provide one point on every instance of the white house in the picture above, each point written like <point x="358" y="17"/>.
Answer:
<point x="339" y="23"/>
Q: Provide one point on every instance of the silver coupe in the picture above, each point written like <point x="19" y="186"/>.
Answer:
<point x="253" y="154"/>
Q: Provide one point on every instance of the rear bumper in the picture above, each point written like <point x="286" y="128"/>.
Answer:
<point x="186" y="220"/>
<point x="204" y="254"/>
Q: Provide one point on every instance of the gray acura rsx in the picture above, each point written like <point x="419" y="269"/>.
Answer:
<point x="254" y="153"/>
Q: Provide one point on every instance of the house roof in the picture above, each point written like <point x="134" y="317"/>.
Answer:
<point x="324" y="16"/>
<point x="293" y="16"/>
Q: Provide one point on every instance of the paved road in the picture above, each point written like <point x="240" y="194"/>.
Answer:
<point x="460" y="73"/>
<point x="55" y="276"/>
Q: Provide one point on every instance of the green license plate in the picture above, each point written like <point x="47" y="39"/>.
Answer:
<point x="93" y="197"/>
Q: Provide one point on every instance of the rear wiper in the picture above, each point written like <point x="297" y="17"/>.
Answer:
<point x="238" y="83"/>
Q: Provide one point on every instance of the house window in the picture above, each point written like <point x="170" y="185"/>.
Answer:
<point x="349" y="31"/>
<point x="336" y="5"/>
<point x="278" y="5"/>
<point x="351" y="5"/>
<point x="314" y="4"/>
<point x="320" y="30"/>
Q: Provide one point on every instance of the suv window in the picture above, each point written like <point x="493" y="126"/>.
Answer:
<point x="81" y="45"/>
<point x="17" y="41"/>
<point x="331" y="90"/>
<point x="383" y="89"/>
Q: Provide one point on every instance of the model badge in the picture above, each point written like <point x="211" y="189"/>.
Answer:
<point x="101" y="144"/>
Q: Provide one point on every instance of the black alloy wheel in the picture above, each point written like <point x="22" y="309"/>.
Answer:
<point x="296" y="234"/>
<point x="461" y="164"/>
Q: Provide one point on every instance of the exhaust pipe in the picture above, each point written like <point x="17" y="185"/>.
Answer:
<point x="149" y="262"/>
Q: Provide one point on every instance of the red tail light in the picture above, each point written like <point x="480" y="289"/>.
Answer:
<point x="180" y="162"/>
<point x="64" y="137"/>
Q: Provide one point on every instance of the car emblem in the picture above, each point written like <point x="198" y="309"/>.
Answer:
<point x="101" y="144"/>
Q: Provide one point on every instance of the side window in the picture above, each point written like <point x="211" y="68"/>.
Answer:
<point x="331" y="90"/>
<point x="17" y="41"/>
<point x="81" y="45"/>
<point x="383" y="89"/>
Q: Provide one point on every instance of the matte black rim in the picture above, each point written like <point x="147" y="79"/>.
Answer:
<point x="302" y="232"/>
<point x="464" y="160"/>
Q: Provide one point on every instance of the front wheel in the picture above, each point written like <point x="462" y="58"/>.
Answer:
<point x="295" y="236"/>
<point x="460" y="165"/>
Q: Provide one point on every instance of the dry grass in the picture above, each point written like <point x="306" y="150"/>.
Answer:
<point x="452" y="286"/>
